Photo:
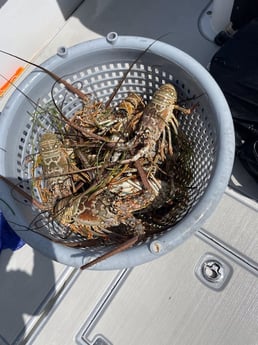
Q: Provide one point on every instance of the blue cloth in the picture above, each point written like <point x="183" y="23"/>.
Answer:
<point x="8" y="238"/>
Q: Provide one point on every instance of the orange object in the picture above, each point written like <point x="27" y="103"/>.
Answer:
<point x="9" y="82"/>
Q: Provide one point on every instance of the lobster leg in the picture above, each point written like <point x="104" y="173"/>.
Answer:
<point x="183" y="110"/>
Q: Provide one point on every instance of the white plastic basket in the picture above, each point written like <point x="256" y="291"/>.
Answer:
<point x="98" y="65"/>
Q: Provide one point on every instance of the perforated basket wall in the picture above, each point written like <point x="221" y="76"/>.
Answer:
<point x="96" y="67"/>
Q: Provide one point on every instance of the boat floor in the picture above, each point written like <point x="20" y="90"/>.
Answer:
<point x="163" y="302"/>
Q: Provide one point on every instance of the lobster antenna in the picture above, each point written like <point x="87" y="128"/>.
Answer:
<point x="130" y="68"/>
<point x="23" y="93"/>
<point x="69" y="87"/>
